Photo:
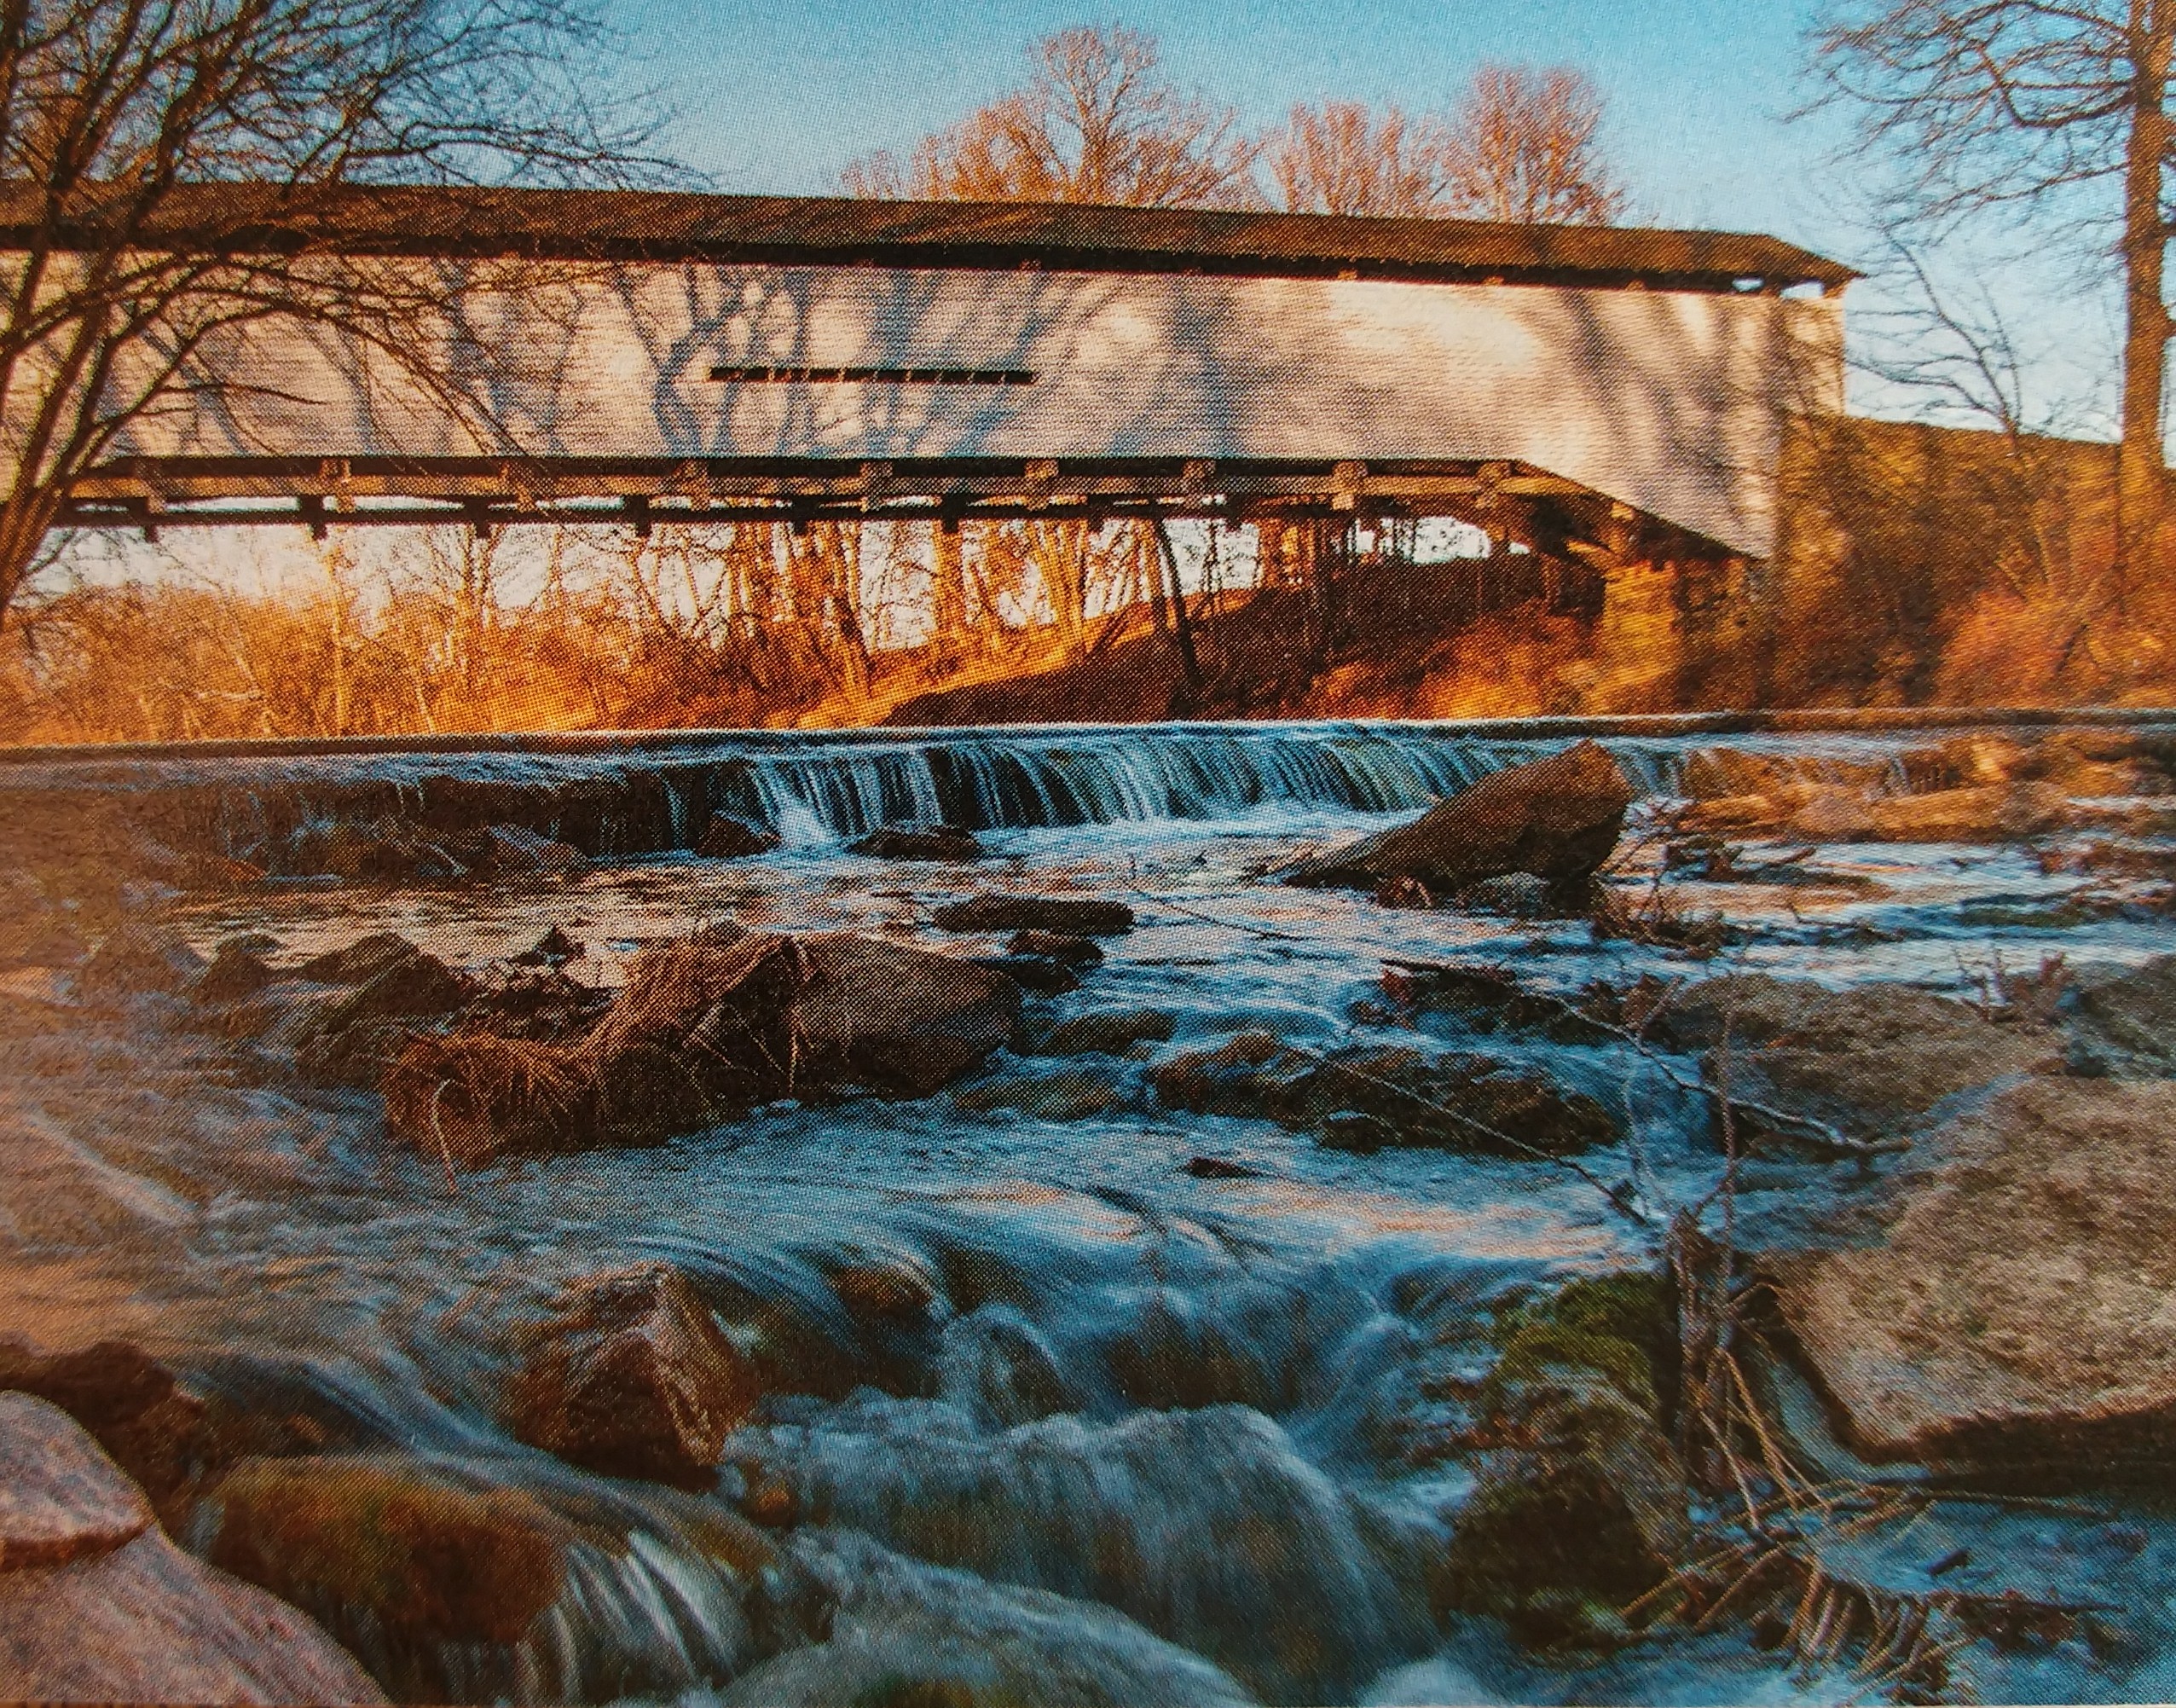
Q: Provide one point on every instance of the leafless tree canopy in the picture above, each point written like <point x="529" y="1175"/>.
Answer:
<point x="1525" y="146"/>
<point x="1097" y="121"/>
<point x="1342" y="158"/>
<point x="108" y="108"/>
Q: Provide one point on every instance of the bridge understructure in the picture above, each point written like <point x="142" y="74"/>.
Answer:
<point x="1512" y="502"/>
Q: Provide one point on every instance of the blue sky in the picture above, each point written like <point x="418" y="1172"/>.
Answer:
<point x="779" y="96"/>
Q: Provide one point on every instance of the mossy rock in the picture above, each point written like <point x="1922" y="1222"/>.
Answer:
<point x="361" y="1535"/>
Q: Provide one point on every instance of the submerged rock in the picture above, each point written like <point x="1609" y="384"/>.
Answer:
<point x="2013" y="1315"/>
<point x="634" y="1379"/>
<point x="1073" y="949"/>
<point x="887" y="1629"/>
<point x="1073" y="916"/>
<point x="1113" y="1032"/>
<point x="912" y="842"/>
<point x="1375" y="1099"/>
<point x="97" y="1606"/>
<point x="725" y="838"/>
<point x="1558" y="819"/>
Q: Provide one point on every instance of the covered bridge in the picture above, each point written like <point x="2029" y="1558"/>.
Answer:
<point x="1607" y="394"/>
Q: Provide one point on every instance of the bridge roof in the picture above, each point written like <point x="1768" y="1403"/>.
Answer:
<point x="675" y="226"/>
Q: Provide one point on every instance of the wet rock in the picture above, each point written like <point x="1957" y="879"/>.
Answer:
<point x="1375" y="1100"/>
<point x="1869" y="1060"/>
<point x="139" y="960"/>
<point x="511" y="851"/>
<point x="1486" y="997"/>
<point x="352" y="1038"/>
<point x="128" y="1400"/>
<point x="1033" y="973"/>
<point x="1063" y="948"/>
<point x="1074" y="916"/>
<point x="2124" y="1023"/>
<point x="634" y="1379"/>
<point x="549" y="950"/>
<point x="35" y="930"/>
<point x="1064" y="1095"/>
<point x="2010" y="1316"/>
<point x="361" y="961"/>
<point x="1112" y="1032"/>
<point x="1403" y="892"/>
<point x="387" y="851"/>
<point x="1252" y="1074"/>
<point x="1370" y="1100"/>
<point x="934" y="842"/>
<point x="879" y="1629"/>
<point x="391" y="1545"/>
<point x="725" y="838"/>
<point x="1216" y="1168"/>
<point x="235" y="975"/>
<point x="97" y="1606"/>
<point x="545" y="1007"/>
<point x="887" y="1291"/>
<point x="1578" y="1505"/>
<point x="1993" y="813"/>
<point x="898" y="1019"/>
<point x="1558" y="819"/>
<point x="995" y="1364"/>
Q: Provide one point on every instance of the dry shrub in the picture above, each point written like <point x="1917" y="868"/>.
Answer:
<point x="702" y="1029"/>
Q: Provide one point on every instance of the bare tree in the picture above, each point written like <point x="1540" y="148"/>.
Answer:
<point x="1524" y="146"/>
<point x="1985" y="105"/>
<point x="173" y="168"/>
<point x="1097" y="121"/>
<point x="1341" y="158"/>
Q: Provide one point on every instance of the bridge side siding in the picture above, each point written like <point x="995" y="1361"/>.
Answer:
<point x="1672" y="402"/>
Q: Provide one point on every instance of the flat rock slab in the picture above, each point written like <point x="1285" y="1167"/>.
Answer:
<point x="2019" y="1313"/>
<point x="60" y="1497"/>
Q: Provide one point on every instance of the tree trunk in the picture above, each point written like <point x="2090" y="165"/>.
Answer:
<point x="2141" y="464"/>
<point x="947" y="584"/>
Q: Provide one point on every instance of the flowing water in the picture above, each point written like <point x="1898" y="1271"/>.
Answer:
<point x="1165" y="1432"/>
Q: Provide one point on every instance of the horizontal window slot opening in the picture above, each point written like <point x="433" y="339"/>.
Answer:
<point x="873" y="376"/>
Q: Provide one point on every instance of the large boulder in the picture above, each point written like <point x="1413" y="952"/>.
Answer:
<point x="1868" y="1061"/>
<point x="1990" y="813"/>
<point x="725" y="838"/>
<point x="97" y="1606"/>
<point x="2011" y="1314"/>
<point x="634" y="1379"/>
<point x="1558" y="818"/>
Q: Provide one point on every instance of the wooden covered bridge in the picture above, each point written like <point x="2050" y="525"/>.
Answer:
<point x="1600" y="395"/>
